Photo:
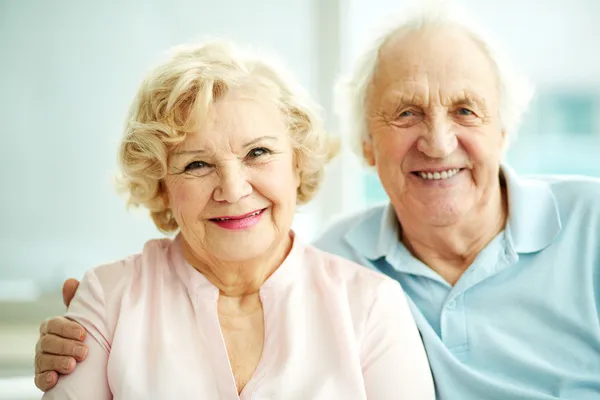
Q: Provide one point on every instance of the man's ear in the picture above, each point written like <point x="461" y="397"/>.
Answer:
<point x="504" y="141"/>
<point x="368" y="153"/>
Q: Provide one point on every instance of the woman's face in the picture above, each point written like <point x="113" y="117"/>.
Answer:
<point x="232" y="184"/>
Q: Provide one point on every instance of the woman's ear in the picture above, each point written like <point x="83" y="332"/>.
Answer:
<point x="297" y="176"/>
<point x="297" y="167"/>
<point x="164" y="194"/>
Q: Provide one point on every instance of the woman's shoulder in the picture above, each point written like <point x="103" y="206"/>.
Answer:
<point x="115" y="275"/>
<point x="351" y="286"/>
<point x="341" y="272"/>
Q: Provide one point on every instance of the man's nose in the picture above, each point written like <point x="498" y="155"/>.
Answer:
<point x="439" y="140"/>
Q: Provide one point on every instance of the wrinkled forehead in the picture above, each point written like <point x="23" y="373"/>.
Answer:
<point x="237" y="117"/>
<point x="246" y="111"/>
<point x="435" y="65"/>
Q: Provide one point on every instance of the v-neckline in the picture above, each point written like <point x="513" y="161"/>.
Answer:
<point x="200" y="289"/>
<point x="224" y="362"/>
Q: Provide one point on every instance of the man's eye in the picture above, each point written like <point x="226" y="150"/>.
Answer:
<point x="465" y="112"/>
<point x="257" y="152"/>
<point x="407" y="113"/>
<point x="195" y="165"/>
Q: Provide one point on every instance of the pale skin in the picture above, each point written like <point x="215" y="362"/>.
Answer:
<point x="433" y="105"/>
<point x="241" y="160"/>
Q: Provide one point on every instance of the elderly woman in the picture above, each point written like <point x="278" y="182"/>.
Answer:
<point x="502" y="271"/>
<point x="220" y="147"/>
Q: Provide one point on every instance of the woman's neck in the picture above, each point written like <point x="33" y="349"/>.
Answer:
<point x="239" y="278"/>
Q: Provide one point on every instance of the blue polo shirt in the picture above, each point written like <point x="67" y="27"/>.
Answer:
<point x="523" y="321"/>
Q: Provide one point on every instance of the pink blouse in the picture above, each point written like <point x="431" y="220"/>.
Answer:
<point x="333" y="330"/>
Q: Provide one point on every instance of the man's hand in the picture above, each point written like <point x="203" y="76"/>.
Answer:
<point x="60" y="345"/>
<point x="68" y="291"/>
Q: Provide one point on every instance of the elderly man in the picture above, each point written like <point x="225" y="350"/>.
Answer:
<point x="502" y="272"/>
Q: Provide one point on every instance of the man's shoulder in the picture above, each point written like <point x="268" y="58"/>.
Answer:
<point x="573" y="192"/>
<point x="333" y="238"/>
<point x="568" y="182"/>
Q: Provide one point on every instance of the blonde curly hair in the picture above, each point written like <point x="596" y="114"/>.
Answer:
<point x="175" y="97"/>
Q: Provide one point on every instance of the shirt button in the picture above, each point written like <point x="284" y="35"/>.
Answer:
<point x="451" y="305"/>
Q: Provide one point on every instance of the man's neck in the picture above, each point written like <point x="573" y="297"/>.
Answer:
<point x="450" y="250"/>
<point x="240" y="278"/>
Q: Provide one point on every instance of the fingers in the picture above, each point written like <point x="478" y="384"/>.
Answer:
<point x="44" y="327"/>
<point x="68" y="290"/>
<point x="51" y="344"/>
<point x="51" y="362"/>
<point x="46" y="380"/>
<point x="64" y="328"/>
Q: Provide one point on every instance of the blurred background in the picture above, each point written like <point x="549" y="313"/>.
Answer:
<point x="69" y="69"/>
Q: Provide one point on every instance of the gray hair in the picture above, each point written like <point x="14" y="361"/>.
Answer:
<point x="516" y="91"/>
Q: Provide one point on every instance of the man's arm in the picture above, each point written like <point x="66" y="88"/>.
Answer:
<point x="60" y="345"/>
<point x="89" y="380"/>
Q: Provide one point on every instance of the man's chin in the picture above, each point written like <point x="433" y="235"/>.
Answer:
<point x="442" y="212"/>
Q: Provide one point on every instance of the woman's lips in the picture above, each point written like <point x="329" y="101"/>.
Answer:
<point x="239" y="222"/>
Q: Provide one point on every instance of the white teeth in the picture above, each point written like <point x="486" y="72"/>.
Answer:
<point x="439" y="175"/>
<point x="250" y="215"/>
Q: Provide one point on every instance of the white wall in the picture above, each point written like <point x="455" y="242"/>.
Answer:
<point x="554" y="41"/>
<point x="69" y="70"/>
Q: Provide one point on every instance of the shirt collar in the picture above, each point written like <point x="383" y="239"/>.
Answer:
<point x="384" y="223"/>
<point x="534" y="218"/>
<point x="533" y="221"/>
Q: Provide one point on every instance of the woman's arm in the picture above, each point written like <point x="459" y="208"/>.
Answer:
<point x="393" y="357"/>
<point x="89" y="380"/>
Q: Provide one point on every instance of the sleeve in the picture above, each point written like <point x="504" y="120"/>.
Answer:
<point x="89" y="379"/>
<point x="394" y="362"/>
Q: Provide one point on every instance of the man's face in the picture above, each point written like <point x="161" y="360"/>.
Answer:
<point x="433" y="117"/>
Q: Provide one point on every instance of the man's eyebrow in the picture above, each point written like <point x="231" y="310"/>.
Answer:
<point x="469" y="100"/>
<point x="403" y="98"/>
<point x="399" y="99"/>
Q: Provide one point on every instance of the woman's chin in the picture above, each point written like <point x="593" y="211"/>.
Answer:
<point x="241" y="250"/>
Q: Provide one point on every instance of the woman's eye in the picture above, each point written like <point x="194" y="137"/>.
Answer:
<point x="195" y="165"/>
<point x="257" y="152"/>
